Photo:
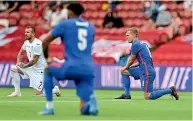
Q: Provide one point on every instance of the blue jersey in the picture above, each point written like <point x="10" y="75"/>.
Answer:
<point x="78" y="35"/>
<point x="143" y="55"/>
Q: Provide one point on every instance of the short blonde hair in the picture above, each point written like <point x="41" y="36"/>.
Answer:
<point x="31" y="27"/>
<point x="133" y="31"/>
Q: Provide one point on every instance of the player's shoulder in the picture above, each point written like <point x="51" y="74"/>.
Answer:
<point x="37" y="41"/>
<point x="26" y="42"/>
<point x="89" y="23"/>
<point x="137" y="43"/>
<point x="67" y="22"/>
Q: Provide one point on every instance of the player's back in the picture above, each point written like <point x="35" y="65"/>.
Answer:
<point x="143" y="56"/>
<point x="77" y="35"/>
<point x="78" y="39"/>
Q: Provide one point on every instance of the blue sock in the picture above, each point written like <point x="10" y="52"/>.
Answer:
<point x="159" y="93"/>
<point x="126" y="84"/>
<point x="48" y="85"/>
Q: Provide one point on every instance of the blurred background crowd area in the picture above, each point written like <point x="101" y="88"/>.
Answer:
<point x="165" y="25"/>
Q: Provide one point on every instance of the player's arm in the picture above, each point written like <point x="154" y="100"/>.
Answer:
<point x="135" y="49"/>
<point x="20" y="56"/>
<point x="130" y="61"/>
<point x="32" y="62"/>
<point x="134" y="65"/>
<point x="48" y="39"/>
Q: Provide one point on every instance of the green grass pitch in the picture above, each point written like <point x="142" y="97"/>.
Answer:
<point x="67" y="106"/>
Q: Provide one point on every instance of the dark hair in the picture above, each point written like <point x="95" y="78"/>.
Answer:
<point x="77" y="8"/>
<point x="33" y="28"/>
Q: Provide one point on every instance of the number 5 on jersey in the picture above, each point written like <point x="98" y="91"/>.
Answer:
<point x="82" y="34"/>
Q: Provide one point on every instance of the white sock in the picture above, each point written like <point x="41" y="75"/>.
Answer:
<point x="53" y="91"/>
<point x="49" y="105"/>
<point x="16" y="80"/>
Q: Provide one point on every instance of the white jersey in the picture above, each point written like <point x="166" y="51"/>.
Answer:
<point x="35" y="48"/>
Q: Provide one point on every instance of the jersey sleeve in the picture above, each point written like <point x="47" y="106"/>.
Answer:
<point x="37" y="49"/>
<point x="58" y="30"/>
<point x="24" y="46"/>
<point x="135" y="48"/>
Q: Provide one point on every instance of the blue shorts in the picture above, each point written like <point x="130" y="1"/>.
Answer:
<point x="135" y="72"/>
<point x="83" y="77"/>
<point x="147" y="82"/>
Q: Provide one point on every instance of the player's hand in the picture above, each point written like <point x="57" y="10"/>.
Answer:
<point x="50" y="60"/>
<point x="123" y="69"/>
<point x="20" y="64"/>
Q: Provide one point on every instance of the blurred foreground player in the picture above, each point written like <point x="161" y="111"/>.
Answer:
<point x="78" y="36"/>
<point x="34" y="69"/>
<point x="140" y="51"/>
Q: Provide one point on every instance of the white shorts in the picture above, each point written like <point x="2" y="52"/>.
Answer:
<point x="36" y="77"/>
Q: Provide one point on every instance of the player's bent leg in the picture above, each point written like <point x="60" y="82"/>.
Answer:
<point x="15" y="71"/>
<point x="152" y="95"/>
<point x="134" y="72"/>
<point x="85" y="90"/>
<point x="126" y="85"/>
<point x="48" y="85"/>
<point x="159" y="93"/>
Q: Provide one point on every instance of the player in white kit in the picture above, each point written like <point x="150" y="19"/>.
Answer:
<point x="34" y="69"/>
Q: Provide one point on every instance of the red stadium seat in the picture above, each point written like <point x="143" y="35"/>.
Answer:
<point x="14" y="15"/>
<point x="180" y="7"/>
<point x="172" y="7"/>
<point x="12" y="22"/>
<point x="25" y="7"/>
<point x="4" y="15"/>
<point x="123" y="14"/>
<point x="94" y="15"/>
<point x="102" y="14"/>
<point x="119" y="7"/>
<point x="23" y="22"/>
<point x="26" y="14"/>
<point x="129" y="23"/>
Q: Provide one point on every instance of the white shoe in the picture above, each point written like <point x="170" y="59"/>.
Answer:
<point x="57" y="91"/>
<point x="15" y="94"/>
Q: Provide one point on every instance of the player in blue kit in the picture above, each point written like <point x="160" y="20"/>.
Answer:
<point x="141" y="52"/>
<point x="78" y="35"/>
<point x="133" y="71"/>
